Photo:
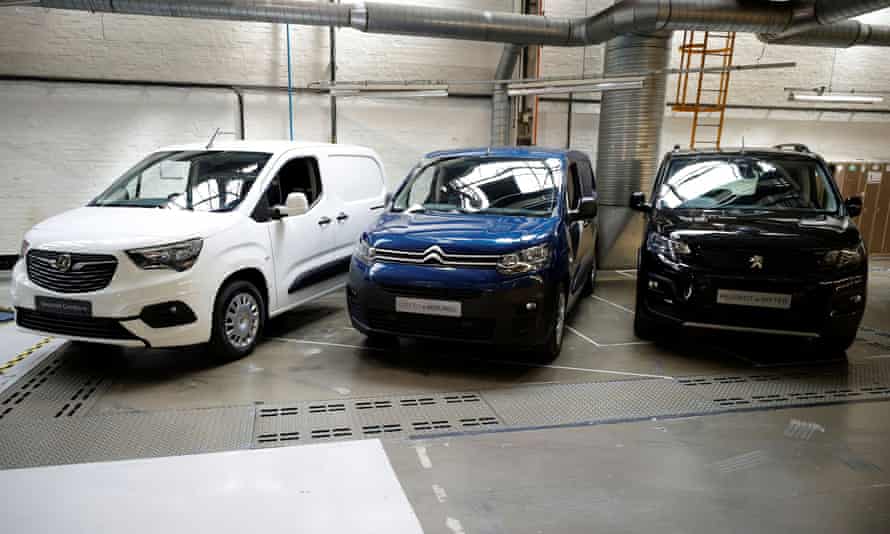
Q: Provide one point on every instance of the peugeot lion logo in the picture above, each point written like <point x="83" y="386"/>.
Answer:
<point x="63" y="263"/>
<point x="756" y="263"/>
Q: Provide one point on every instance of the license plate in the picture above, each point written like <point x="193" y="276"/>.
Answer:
<point x="776" y="301"/>
<point x="445" y="308"/>
<point x="76" y="308"/>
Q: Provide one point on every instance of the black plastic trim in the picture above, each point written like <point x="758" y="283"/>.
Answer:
<point x="320" y="274"/>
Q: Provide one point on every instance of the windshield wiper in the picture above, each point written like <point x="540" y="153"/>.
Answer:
<point x="122" y="205"/>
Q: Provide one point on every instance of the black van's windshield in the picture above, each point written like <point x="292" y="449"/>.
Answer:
<point x="747" y="183"/>
<point x="205" y="180"/>
<point x="503" y="186"/>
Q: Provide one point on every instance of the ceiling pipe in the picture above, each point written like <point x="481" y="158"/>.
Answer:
<point x="626" y="17"/>
<point x="826" y="12"/>
<point x="839" y="35"/>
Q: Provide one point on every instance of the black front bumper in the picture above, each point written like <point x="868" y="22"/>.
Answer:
<point x="820" y="306"/>
<point x="496" y="313"/>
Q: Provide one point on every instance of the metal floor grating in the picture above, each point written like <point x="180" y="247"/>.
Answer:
<point x="45" y="417"/>
<point x="379" y="417"/>
<point x="55" y="389"/>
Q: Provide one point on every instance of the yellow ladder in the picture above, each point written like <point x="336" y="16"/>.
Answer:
<point x="704" y="93"/>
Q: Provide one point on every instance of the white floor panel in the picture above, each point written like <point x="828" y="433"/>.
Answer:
<point x="347" y="487"/>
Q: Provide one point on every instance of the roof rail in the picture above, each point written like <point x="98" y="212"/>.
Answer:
<point x="797" y="147"/>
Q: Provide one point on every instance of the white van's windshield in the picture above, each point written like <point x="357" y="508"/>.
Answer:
<point x="211" y="180"/>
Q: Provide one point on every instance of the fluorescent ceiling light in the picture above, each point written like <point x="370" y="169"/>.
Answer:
<point x="353" y="93"/>
<point x="836" y="98"/>
<point x="574" y="86"/>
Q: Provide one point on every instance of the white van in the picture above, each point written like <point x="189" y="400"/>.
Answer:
<point x="196" y="245"/>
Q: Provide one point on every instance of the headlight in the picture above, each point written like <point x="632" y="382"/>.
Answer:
<point x="667" y="248"/>
<point x="364" y="252"/>
<point x="24" y="250"/>
<point x="524" y="261"/>
<point x="177" y="256"/>
<point x="843" y="258"/>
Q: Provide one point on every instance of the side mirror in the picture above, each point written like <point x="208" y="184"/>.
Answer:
<point x="296" y="204"/>
<point x="638" y="202"/>
<point x="387" y="200"/>
<point x="854" y="206"/>
<point x="587" y="209"/>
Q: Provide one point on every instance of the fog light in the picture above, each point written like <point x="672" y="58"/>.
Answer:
<point x="531" y="306"/>
<point x="167" y="314"/>
<point x="856" y="299"/>
<point x="653" y="284"/>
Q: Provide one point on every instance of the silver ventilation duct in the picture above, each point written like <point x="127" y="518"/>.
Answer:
<point x="626" y="17"/>
<point x="500" y="102"/>
<point x="839" y="35"/>
<point x="629" y="136"/>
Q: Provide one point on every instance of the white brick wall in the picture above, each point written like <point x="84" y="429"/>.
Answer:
<point x="60" y="144"/>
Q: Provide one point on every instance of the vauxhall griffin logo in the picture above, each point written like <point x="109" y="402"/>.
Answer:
<point x="63" y="263"/>
<point x="756" y="263"/>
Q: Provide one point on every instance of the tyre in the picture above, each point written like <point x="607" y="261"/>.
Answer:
<point x="239" y="315"/>
<point x="645" y="326"/>
<point x="550" y="349"/>
<point x="590" y="284"/>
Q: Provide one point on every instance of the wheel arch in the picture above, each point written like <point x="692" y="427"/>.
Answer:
<point x="255" y="277"/>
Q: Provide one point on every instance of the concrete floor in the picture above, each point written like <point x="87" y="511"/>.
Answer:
<point x="741" y="472"/>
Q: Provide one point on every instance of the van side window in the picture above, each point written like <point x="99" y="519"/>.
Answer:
<point x="355" y="178"/>
<point x="298" y="175"/>
<point x="573" y="187"/>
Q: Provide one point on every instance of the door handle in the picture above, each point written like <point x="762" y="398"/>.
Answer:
<point x="342" y="217"/>
<point x="324" y="221"/>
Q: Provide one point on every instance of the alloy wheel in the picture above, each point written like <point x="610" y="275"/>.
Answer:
<point x="242" y="320"/>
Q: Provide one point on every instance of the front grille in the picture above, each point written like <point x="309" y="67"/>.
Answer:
<point x="442" y="293"/>
<point x="88" y="327"/>
<point x="84" y="273"/>
<point x="770" y="262"/>
<point x="434" y="256"/>
<point x="408" y="324"/>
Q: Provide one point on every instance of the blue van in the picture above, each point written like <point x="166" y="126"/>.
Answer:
<point x="482" y="245"/>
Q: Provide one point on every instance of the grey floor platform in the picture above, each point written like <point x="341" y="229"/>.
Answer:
<point x="46" y="421"/>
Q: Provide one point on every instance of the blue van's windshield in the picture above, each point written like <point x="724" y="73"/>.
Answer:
<point x="478" y="184"/>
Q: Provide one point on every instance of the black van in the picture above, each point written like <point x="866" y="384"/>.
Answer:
<point x="750" y="240"/>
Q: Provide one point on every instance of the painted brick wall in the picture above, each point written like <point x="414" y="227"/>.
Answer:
<point x="60" y="145"/>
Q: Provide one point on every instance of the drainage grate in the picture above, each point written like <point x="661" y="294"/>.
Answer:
<point x="339" y="432"/>
<point x="385" y="417"/>
<point x="373" y="430"/>
<point x="278" y="438"/>
<point x="327" y="408"/>
<point x="278" y="412"/>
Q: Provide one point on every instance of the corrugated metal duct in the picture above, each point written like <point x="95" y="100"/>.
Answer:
<point x="628" y="16"/>
<point x="628" y="147"/>
<point x="500" y="102"/>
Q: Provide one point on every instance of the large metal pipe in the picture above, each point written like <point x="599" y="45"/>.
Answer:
<point x="500" y="101"/>
<point x="628" y="148"/>
<point x="838" y="35"/>
<point x="625" y="17"/>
